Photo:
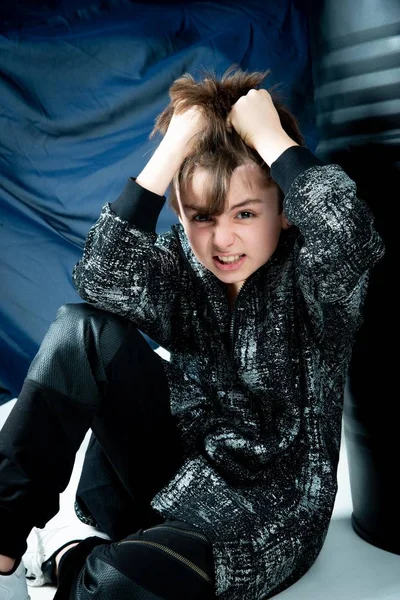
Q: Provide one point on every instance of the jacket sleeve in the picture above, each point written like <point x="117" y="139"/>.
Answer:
<point x="337" y="244"/>
<point x="126" y="268"/>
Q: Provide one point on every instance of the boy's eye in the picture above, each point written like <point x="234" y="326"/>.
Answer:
<point x="246" y="212"/>
<point x="198" y="218"/>
<point x="203" y="218"/>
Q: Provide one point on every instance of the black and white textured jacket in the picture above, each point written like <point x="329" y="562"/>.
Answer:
<point x="257" y="392"/>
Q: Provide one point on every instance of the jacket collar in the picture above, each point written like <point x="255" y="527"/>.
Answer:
<point x="206" y="277"/>
<point x="214" y="288"/>
<point x="204" y="274"/>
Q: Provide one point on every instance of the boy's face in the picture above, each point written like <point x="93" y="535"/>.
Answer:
<point x="249" y="233"/>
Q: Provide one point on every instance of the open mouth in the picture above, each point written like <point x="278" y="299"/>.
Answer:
<point x="229" y="259"/>
<point x="229" y="263"/>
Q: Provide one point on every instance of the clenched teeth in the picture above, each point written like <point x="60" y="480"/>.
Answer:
<point x="228" y="259"/>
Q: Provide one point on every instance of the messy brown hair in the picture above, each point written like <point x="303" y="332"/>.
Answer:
<point x="216" y="149"/>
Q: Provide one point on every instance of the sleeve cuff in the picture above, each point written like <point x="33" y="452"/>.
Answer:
<point x="290" y="164"/>
<point x="138" y="206"/>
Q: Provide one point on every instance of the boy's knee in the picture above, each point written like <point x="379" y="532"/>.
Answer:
<point x="80" y="331"/>
<point x="80" y="324"/>
<point x="80" y="311"/>
<point x="79" y="314"/>
<point x="67" y="333"/>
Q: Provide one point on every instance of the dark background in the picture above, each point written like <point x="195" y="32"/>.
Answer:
<point x="80" y="86"/>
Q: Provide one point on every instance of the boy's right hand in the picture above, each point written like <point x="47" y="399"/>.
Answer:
<point x="174" y="148"/>
<point x="183" y="128"/>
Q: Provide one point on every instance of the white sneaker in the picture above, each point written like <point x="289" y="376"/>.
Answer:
<point x="46" y="542"/>
<point x="13" y="587"/>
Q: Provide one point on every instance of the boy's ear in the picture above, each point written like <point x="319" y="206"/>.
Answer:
<point x="284" y="222"/>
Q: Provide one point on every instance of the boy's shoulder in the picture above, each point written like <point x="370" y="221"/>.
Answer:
<point x="168" y="240"/>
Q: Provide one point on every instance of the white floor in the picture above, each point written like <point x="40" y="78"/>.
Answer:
<point x="347" y="568"/>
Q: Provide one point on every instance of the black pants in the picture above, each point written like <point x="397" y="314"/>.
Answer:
<point x="95" y="370"/>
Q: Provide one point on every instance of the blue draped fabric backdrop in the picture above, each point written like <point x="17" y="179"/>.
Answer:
<point x="80" y="87"/>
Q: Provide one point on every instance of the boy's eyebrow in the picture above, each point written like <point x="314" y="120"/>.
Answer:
<point x="239" y="205"/>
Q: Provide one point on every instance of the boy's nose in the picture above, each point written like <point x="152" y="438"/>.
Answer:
<point x="223" y="238"/>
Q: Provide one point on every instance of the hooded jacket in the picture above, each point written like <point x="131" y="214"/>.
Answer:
<point x="257" y="391"/>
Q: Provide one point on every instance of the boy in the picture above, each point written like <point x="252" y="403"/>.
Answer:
<point x="258" y="303"/>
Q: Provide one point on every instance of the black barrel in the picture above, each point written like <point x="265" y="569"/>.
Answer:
<point x="355" y="47"/>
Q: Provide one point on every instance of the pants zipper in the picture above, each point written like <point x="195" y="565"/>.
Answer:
<point x="184" y="532"/>
<point x="179" y="557"/>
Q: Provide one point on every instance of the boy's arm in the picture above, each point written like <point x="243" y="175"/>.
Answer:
<point x="339" y="242"/>
<point x="337" y="246"/>
<point x="126" y="268"/>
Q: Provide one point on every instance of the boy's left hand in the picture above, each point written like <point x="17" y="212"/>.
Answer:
<point x="255" y="118"/>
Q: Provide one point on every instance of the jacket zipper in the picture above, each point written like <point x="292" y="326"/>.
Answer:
<point x="232" y="319"/>
<point x="253" y="407"/>
<point x="179" y="557"/>
<point x="233" y="315"/>
<point x="193" y="276"/>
